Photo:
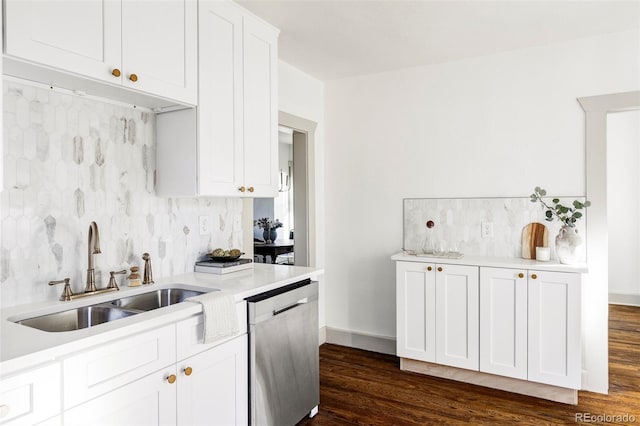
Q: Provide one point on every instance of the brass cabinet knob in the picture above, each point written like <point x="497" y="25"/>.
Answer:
<point x="250" y="189"/>
<point x="115" y="72"/>
<point x="520" y="275"/>
<point x="187" y="371"/>
<point x="242" y="189"/>
<point x="429" y="268"/>
<point x="439" y="268"/>
<point x="171" y="379"/>
<point x="133" y="78"/>
<point x="534" y="276"/>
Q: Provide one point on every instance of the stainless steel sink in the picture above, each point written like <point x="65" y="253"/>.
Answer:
<point x="76" y="319"/>
<point x="89" y="316"/>
<point x="155" y="299"/>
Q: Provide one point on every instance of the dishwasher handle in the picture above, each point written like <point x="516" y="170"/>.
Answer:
<point x="293" y="305"/>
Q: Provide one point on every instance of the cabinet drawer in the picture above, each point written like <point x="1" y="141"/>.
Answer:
<point x="30" y="397"/>
<point x="190" y="333"/>
<point x="106" y="367"/>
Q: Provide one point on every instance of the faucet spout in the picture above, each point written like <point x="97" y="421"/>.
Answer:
<point x="93" y="247"/>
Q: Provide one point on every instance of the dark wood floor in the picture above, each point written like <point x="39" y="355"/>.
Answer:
<point x="365" y="388"/>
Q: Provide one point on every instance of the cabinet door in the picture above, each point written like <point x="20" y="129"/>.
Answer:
<point x="148" y="401"/>
<point x="457" y="316"/>
<point x="503" y="322"/>
<point x="260" y="57"/>
<point x="554" y="329"/>
<point x="159" y="47"/>
<point x="50" y="33"/>
<point x="31" y="396"/>
<point x="220" y="154"/>
<point x="213" y="386"/>
<point x="416" y="311"/>
<point x="103" y="368"/>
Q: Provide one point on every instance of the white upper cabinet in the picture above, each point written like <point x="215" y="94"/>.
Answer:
<point x="150" y="46"/>
<point x="220" y="120"/>
<point x="50" y="33"/>
<point x="260" y="108"/>
<point x="159" y="47"/>
<point x="235" y="150"/>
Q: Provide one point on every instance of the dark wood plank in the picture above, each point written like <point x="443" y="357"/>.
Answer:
<point x="365" y="388"/>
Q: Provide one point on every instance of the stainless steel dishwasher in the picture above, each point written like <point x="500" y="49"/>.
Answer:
<point x="284" y="382"/>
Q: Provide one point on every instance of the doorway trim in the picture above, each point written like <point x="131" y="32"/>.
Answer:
<point x="595" y="289"/>
<point x="308" y="127"/>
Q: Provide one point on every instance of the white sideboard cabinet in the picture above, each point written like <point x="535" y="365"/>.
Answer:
<point x="437" y="314"/>
<point x="512" y="324"/>
<point x="228" y="145"/>
<point x="147" y="46"/>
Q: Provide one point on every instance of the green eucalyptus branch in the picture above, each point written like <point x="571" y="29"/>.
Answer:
<point x="567" y="215"/>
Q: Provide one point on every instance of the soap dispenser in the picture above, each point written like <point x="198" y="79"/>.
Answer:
<point x="134" y="278"/>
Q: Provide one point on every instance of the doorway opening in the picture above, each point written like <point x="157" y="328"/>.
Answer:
<point x="291" y="208"/>
<point x="595" y="290"/>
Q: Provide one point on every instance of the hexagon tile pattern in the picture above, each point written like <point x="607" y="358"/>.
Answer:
<point x="70" y="160"/>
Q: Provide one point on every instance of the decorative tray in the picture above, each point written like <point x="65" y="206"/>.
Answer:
<point x="225" y="258"/>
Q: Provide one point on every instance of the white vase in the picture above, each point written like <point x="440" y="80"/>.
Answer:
<point x="567" y="243"/>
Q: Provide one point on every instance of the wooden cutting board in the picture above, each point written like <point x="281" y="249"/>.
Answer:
<point x="534" y="235"/>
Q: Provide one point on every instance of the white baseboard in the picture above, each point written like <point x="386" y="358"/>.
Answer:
<point x="368" y="342"/>
<point x="624" y="299"/>
<point x="322" y="335"/>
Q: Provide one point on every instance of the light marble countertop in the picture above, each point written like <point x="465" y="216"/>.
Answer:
<point x="495" y="262"/>
<point x="23" y="347"/>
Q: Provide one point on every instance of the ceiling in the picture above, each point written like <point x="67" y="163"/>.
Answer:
<point x="337" y="39"/>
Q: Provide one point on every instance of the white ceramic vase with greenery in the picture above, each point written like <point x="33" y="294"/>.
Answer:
<point x="568" y="240"/>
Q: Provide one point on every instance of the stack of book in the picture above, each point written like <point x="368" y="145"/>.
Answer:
<point x="213" y="267"/>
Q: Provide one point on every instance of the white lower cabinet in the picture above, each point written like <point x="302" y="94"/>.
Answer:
<point x="96" y="371"/>
<point x="208" y="388"/>
<point x="457" y="316"/>
<point x="31" y="397"/>
<point x="554" y="329"/>
<point x="437" y="316"/>
<point x="213" y="386"/>
<point x="148" y="401"/>
<point x="416" y="311"/>
<point x="165" y="376"/>
<point x="517" y="323"/>
<point x="503" y="322"/>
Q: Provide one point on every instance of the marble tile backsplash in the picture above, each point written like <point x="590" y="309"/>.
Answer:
<point x="68" y="161"/>
<point x="458" y="222"/>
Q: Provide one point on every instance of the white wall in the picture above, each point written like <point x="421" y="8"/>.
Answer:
<point x="489" y="126"/>
<point x="623" y="199"/>
<point x="303" y="96"/>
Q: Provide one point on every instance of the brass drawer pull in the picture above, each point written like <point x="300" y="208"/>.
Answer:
<point x="115" y="72"/>
<point x="171" y="379"/>
<point x="187" y="371"/>
<point x="429" y="268"/>
<point x="520" y="275"/>
<point x="133" y="78"/>
<point x="439" y="268"/>
<point x="534" y="276"/>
